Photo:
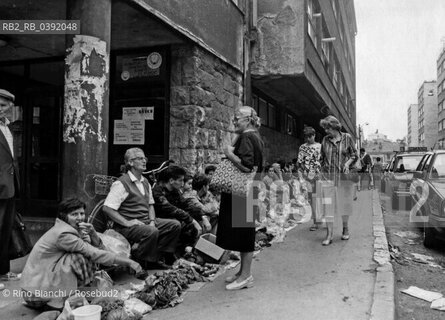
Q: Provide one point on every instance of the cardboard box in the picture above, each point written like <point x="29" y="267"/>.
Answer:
<point x="206" y="245"/>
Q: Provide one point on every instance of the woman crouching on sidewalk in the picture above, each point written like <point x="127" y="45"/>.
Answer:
<point x="63" y="258"/>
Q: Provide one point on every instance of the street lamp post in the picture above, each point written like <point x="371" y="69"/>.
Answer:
<point x="360" y="132"/>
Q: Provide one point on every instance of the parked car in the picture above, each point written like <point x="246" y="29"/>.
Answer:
<point x="428" y="192"/>
<point x="398" y="176"/>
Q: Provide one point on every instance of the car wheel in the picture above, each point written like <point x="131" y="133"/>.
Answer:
<point x="429" y="239"/>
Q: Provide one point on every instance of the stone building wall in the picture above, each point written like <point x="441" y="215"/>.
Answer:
<point x="204" y="94"/>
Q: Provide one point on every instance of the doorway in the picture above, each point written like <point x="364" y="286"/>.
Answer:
<point x="36" y="127"/>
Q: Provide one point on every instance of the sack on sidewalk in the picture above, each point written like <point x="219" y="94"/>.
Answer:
<point x="325" y="200"/>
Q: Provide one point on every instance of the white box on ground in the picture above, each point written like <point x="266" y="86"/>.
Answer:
<point x="206" y="244"/>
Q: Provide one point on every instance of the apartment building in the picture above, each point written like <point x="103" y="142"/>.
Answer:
<point x="413" y="123"/>
<point x="427" y="115"/>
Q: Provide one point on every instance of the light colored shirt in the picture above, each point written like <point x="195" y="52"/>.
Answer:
<point x="8" y="135"/>
<point x="49" y="264"/>
<point x="118" y="194"/>
<point x="309" y="160"/>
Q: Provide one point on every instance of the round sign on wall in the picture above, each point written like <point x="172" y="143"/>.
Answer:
<point x="125" y="75"/>
<point x="154" y="60"/>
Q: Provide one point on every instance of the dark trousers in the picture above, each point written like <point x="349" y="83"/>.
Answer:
<point x="188" y="237"/>
<point x="152" y="240"/>
<point x="7" y="213"/>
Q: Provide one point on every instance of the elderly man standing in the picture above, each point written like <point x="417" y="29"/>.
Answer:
<point x="9" y="183"/>
<point x="130" y="205"/>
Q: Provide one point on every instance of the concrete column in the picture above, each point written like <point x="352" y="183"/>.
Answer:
<point x="86" y="107"/>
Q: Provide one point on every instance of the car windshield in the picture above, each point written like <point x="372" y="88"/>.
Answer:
<point x="438" y="169"/>
<point x="407" y="163"/>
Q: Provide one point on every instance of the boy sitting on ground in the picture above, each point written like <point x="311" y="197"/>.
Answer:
<point x="196" y="191"/>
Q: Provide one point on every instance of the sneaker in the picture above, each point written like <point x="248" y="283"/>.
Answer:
<point x="237" y="285"/>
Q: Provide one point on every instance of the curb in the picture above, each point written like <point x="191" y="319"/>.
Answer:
<point x="383" y="304"/>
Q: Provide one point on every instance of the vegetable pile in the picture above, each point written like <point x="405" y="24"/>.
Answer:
<point x="113" y="309"/>
<point x="163" y="289"/>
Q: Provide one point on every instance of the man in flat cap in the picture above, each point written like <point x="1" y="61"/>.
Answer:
<point x="9" y="183"/>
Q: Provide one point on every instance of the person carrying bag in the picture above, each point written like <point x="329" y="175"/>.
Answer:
<point x="20" y="243"/>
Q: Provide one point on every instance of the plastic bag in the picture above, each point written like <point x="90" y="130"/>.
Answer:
<point x="116" y="243"/>
<point x="102" y="281"/>
<point x="72" y="303"/>
<point x="136" y="305"/>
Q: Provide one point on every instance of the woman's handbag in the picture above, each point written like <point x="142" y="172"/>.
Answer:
<point x="20" y="243"/>
<point x="325" y="200"/>
<point x="354" y="171"/>
<point x="229" y="179"/>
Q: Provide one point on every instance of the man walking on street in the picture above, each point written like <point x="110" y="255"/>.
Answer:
<point x="130" y="205"/>
<point x="9" y="183"/>
<point x="366" y="163"/>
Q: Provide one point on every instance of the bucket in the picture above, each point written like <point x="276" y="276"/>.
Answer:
<point x="89" y="312"/>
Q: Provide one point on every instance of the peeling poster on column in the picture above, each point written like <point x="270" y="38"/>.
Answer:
<point x="129" y="131"/>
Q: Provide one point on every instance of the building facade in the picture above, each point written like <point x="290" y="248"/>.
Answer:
<point x="427" y="115"/>
<point x="304" y="60"/>
<point x="166" y="76"/>
<point x="413" y="125"/>
<point x="441" y="98"/>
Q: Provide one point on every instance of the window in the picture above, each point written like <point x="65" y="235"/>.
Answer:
<point x="255" y="103"/>
<point x="291" y="125"/>
<point x="335" y="72"/>
<point x="334" y="8"/>
<point x="272" y="118"/>
<point x="441" y="125"/>
<point x="262" y="105"/>
<point x="325" y="46"/>
<point x="267" y="111"/>
<point x="313" y="8"/>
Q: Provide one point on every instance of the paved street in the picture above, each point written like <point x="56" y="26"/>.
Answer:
<point x="298" y="278"/>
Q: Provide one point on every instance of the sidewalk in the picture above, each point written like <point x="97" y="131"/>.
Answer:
<point x="296" y="279"/>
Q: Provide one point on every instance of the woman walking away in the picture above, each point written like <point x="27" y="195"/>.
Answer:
<point x="308" y="165"/>
<point x="235" y="231"/>
<point x="337" y="154"/>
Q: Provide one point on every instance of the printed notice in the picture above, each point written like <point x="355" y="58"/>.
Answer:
<point x="147" y="113"/>
<point x="131" y="114"/>
<point x="129" y="132"/>
<point x="138" y="113"/>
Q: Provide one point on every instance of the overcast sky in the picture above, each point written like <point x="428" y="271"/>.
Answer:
<point x="397" y="46"/>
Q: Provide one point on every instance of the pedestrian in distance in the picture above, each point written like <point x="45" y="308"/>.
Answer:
<point x="338" y="152"/>
<point x="308" y="166"/>
<point x="9" y="184"/>
<point x="366" y="171"/>
<point x="377" y="172"/>
<point x="235" y="231"/>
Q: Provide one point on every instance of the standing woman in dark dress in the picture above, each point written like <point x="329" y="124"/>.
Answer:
<point x="236" y="230"/>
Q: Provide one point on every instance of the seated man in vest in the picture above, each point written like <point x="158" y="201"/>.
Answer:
<point x="130" y="205"/>
<point x="171" y="204"/>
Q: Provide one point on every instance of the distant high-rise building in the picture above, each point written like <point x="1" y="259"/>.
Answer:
<point x="413" y="126"/>
<point x="441" y="98"/>
<point x="427" y="113"/>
